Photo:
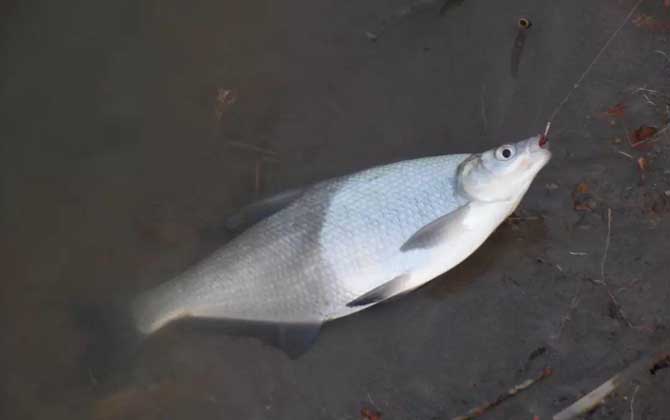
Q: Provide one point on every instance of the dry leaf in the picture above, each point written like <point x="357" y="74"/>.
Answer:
<point x="641" y="135"/>
<point x="642" y="164"/>
<point x="617" y="111"/>
<point x="582" y="200"/>
<point x="582" y="188"/>
<point x="651" y="23"/>
<point x="371" y="414"/>
<point x="643" y="20"/>
<point x="656" y="202"/>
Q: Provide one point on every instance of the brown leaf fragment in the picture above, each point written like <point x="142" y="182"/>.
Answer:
<point x="582" y="199"/>
<point x="663" y="363"/>
<point x="616" y="111"/>
<point x="644" y="21"/>
<point x="371" y="414"/>
<point x="582" y="188"/>
<point x="656" y="202"/>
<point x="642" y="134"/>
<point x="642" y="164"/>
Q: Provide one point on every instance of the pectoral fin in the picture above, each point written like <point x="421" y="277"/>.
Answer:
<point x="391" y="288"/>
<point x="437" y="231"/>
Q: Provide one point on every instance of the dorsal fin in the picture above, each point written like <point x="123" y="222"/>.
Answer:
<point x="253" y="213"/>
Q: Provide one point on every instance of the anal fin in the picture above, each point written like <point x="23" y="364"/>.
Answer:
<point x="294" y="339"/>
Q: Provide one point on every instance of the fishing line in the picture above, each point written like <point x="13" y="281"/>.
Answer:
<point x="590" y="66"/>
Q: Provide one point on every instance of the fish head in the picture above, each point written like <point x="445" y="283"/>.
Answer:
<point x="504" y="173"/>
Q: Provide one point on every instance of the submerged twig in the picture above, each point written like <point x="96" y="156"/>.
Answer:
<point x="523" y="218"/>
<point x="602" y="281"/>
<point x="258" y="177"/>
<point x="574" y="302"/>
<point x="251" y="148"/>
<point x="654" y="138"/>
<point x="517" y="49"/>
<point x="483" y="103"/>
<point x="603" y="261"/>
<point x="595" y="397"/>
<point x="632" y="402"/>
<point x="622" y="153"/>
<point x="448" y="4"/>
<point x="399" y="14"/>
<point x="478" y="411"/>
<point x="663" y="53"/>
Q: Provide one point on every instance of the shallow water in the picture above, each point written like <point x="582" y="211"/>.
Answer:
<point x="122" y="124"/>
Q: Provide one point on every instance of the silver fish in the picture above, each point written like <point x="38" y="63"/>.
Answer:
<point x="348" y="243"/>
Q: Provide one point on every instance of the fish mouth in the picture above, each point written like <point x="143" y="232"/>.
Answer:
<point x="539" y="143"/>
<point x="543" y="142"/>
<point x="538" y="149"/>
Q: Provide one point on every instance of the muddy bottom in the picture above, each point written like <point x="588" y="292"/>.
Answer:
<point x="132" y="128"/>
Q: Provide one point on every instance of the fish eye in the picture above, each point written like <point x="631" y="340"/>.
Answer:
<point x="505" y="152"/>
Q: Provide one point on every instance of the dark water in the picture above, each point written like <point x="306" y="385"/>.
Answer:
<point x="122" y="124"/>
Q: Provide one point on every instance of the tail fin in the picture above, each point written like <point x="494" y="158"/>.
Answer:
<point x="115" y="329"/>
<point x="112" y="339"/>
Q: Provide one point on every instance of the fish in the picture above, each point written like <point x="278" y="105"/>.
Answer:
<point x="348" y="243"/>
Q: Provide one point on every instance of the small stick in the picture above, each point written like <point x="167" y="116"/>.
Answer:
<point x="483" y="101"/>
<point x="632" y="403"/>
<point x="448" y="4"/>
<point x="622" y="153"/>
<point x="257" y="183"/>
<point x="478" y="411"/>
<point x="595" y="397"/>
<point x="663" y="53"/>
<point x="602" y="281"/>
<point x="649" y="101"/>
<point x="653" y="138"/>
<point x="574" y="302"/>
<point x="251" y="147"/>
<point x="607" y="245"/>
<point x="523" y="218"/>
<point x="92" y="377"/>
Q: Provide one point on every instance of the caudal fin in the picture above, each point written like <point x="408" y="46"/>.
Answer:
<point x="111" y="338"/>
